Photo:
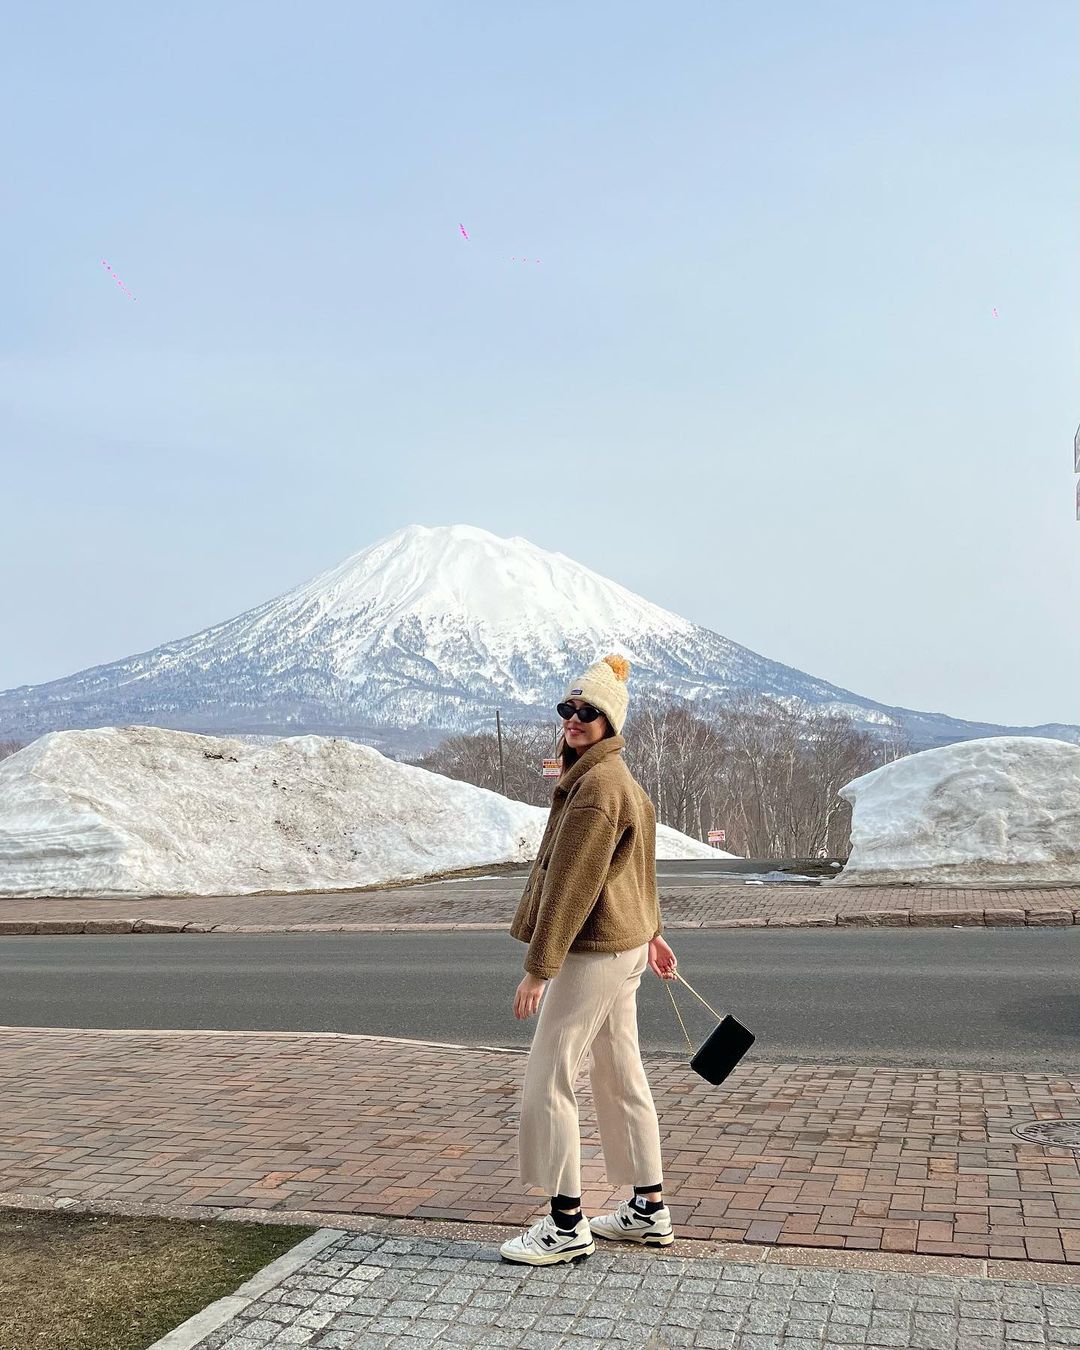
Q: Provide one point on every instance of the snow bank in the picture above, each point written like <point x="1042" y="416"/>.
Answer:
<point x="145" y="811"/>
<point x="1005" y="809"/>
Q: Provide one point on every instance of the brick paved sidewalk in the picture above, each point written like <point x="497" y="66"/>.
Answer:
<point x="431" y="906"/>
<point x="878" y="1159"/>
<point x="367" y="1292"/>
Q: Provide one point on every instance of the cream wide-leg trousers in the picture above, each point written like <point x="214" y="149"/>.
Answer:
<point x="590" y="1004"/>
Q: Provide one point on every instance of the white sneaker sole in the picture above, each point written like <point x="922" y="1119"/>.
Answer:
<point x="642" y="1239"/>
<point x="571" y="1256"/>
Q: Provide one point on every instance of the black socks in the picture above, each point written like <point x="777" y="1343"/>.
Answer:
<point x="566" y="1211"/>
<point x="642" y="1205"/>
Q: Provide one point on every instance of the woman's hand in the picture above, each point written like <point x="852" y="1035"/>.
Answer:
<point x="529" y="993"/>
<point x="662" y="959"/>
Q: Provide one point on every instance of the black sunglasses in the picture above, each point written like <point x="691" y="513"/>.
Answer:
<point x="586" y="713"/>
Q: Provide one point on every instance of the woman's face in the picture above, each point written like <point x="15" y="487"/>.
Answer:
<point x="580" y="735"/>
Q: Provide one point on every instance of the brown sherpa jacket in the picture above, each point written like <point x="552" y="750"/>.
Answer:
<point x="593" y="885"/>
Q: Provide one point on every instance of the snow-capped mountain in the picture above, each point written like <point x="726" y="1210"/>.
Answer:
<point x="432" y="629"/>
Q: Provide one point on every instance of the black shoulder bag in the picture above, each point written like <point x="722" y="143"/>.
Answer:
<point x="722" y="1049"/>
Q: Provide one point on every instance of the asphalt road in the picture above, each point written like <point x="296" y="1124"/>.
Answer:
<point x="946" y="998"/>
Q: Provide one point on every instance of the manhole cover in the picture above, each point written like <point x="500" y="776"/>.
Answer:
<point x="1059" y="1133"/>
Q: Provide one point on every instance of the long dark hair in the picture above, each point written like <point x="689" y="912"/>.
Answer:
<point x="567" y="755"/>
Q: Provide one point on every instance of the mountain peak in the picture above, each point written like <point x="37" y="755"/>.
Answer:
<point x="434" y="626"/>
<point x="508" y="593"/>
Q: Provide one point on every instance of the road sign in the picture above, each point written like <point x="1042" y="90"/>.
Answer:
<point x="717" y="837"/>
<point x="552" y="768"/>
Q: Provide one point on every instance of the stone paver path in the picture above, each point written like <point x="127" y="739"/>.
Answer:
<point x="898" y="1160"/>
<point x="364" y="1292"/>
<point x="451" y="904"/>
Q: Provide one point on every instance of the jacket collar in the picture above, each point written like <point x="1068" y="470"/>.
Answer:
<point x="610" y="745"/>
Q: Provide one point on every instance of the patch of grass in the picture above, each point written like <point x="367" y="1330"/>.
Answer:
<point x="109" y="1282"/>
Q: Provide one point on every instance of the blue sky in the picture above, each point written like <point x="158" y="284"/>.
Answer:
<point x="756" y="375"/>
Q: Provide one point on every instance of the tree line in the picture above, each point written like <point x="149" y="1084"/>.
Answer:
<point x="766" y="772"/>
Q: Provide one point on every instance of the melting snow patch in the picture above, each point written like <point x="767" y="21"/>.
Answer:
<point x="145" y="811"/>
<point x="1005" y="809"/>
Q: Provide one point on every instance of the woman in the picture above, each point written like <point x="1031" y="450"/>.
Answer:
<point x="592" y="921"/>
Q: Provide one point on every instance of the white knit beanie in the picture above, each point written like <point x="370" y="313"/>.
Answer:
<point x="604" y="686"/>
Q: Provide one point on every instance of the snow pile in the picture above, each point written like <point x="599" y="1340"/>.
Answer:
<point x="1005" y="809"/>
<point x="145" y="811"/>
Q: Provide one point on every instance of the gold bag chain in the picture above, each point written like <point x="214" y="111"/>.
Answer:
<point x="678" y="1014"/>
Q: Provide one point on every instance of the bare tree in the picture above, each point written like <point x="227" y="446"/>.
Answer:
<point x="9" y="748"/>
<point x="475" y="759"/>
<point x="675" y="753"/>
<point x="767" y="771"/>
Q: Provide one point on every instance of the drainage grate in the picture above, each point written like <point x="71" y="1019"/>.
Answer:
<point x="1053" y="1133"/>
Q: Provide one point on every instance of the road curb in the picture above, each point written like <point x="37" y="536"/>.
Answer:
<point x="197" y="1327"/>
<point x="687" y="1248"/>
<point x="886" y="918"/>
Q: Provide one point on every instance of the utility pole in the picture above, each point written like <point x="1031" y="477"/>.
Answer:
<point x="502" y="770"/>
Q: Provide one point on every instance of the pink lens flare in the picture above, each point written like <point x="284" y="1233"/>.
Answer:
<point x="117" y="279"/>
<point x="515" y="258"/>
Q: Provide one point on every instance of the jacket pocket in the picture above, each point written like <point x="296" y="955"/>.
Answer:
<point x="597" y="926"/>
<point x="532" y="912"/>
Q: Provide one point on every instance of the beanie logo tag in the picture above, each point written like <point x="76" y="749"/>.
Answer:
<point x="574" y="691"/>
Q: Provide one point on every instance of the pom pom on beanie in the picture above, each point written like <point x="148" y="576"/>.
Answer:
<point x="620" y="667"/>
<point x="604" y="686"/>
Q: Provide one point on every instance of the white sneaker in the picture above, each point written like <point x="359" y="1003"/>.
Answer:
<point x="544" y="1245"/>
<point x="628" y="1224"/>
